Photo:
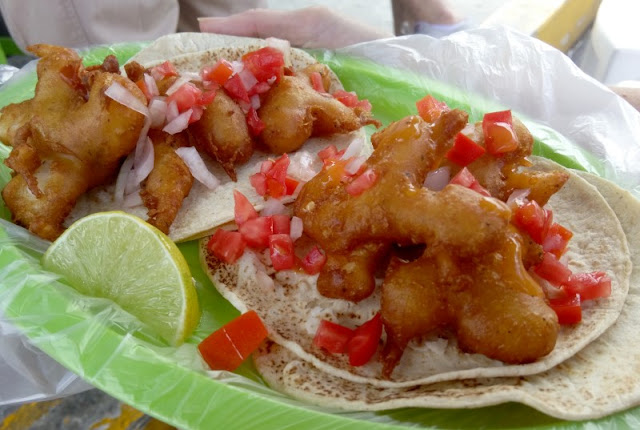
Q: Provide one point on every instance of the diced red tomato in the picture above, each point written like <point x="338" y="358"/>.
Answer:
<point x="328" y="152"/>
<point x="556" y="239"/>
<point x="552" y="269"/>
<point x="265" y="63"/>
<point x="291" y="185"/>
<point x="196" y="113"/>
<point x="185" y="97"/>
<point x="163" y="70"/>
<point x="430" y="108"/>
<point x="281" y="224"/>
<point x="349" y="99"/>
<point x="362" y="183"/>
<point x="313" y="262"/>
<point x="259" y="182"/>
<point x="256" y="231"/>
<point x="266" y="165"/>
<point x="256" y="125"/>
<point x="219" y="72"/>
<point x="534" y="220"/>
<point x="226" y="245"/>
<point x="227" y="347"/>
<point x="568" y="309"/>
<point x="465" y="178"/>
<point x="207" y="97"/>
<point x="364" y="104"/>
<point x="316" y="82"/>
<point x="464" y="150"/>
<point x="243" y="209"/>
<point x="275" y="188"/>
<point x="279" y="169"/>
<point x="588" y="285"/>
<point x="281" y="251"/>
<point x="143" y="87"/>
<point x="499" y="136"/>
<point x="364" y="342"/>
<point x="272" y="179"/>
<point x="236" y="89"/>
<point x="332" y="337"/>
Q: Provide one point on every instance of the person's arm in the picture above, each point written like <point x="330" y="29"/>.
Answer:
<point x="312" y="27"/>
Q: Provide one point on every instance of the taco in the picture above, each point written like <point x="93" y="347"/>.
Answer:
<point x="293" y="308"/>
<point x="195" y="117"/>
<point x="592" y="383"/>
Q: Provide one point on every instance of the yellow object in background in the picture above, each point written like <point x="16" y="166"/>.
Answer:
<point x="560" y="23"/>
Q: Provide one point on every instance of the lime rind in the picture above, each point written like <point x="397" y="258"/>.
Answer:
<point x="120" y="257"/>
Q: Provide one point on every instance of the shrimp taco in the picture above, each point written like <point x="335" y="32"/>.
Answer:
<point x="450" y="257"/>
<point x="193" y="117"/>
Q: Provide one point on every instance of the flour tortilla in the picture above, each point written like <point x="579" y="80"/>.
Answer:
<point x="598" y="380"/>
<point x="292" y="308"/>
<point x="204" y="210"/>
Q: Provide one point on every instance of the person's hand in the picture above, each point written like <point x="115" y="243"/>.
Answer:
<point x="630" y="94"/>
<point x="312" y="27"/>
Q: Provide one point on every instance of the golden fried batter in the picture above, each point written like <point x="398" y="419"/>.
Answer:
<point x="490" y="304"/>
<point x="222" y="132"/>
<point x="71" y="138"/>
<point x="502" y="175"/>
<point x="168" y="183"/>
<point x="293" y="111"/>
<point x="404" y="153"/>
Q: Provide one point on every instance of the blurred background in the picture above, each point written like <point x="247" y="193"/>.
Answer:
<point x="601" y="36"/>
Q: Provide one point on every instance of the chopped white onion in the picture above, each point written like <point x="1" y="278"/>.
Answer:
<point x="151" y="85"/>
<point x="247" y="78"/>
<point x="123" y="176"/>
<point x="282" y="45"/>
<point x="274" y="207"/>
<point x="133" y="199"/>
<point x="255" y="101"/>
<point x="172" y="111"/>
<point x="354" y="165"/>
<point x="518" y="197"/>
<point x="123" y="96"/>
<point x="179" y="123"/>
<point x="192" y="76"/>
<point x="296" y="228"/>
<point x="237" y="66"/>
<point x="182" y="80"/>
<point x="142" y="141"/>
<point x="304" y="165"/>
<point x="143" y="165"/>
<point x="437" y="179"/>
<point x="196" y="166"/>
<point x="271" y="80"/>
<point x="264" y="281"/>
<point x="158" y="112"/>
<point x="354" y="149"/>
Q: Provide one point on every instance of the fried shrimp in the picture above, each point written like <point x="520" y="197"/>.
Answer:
<point x="69" y="138"/>
<point x="293" y="111"/>
<point x="491" y="304"/>
<point x="168" y="183"/>
<point x="222" y="132"/>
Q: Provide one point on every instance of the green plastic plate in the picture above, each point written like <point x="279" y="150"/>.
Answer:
<point x="113" y="352"/>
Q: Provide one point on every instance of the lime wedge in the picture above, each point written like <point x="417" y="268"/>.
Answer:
<point x="118" y="256"/>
